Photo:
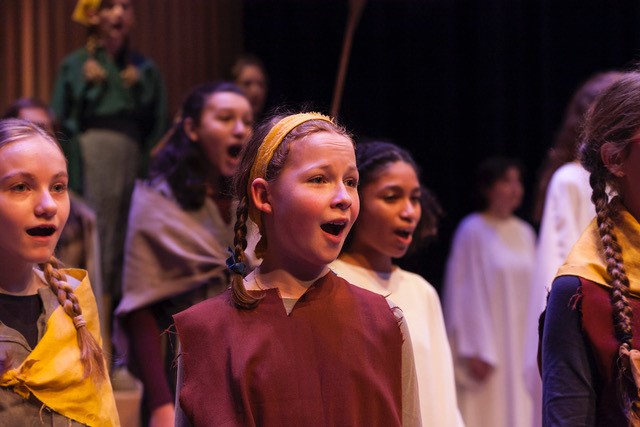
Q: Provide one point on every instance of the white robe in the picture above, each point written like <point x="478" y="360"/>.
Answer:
<point x="486" y="304"/>
<point x="567" y="212"/>
<point x="421" y="307"/>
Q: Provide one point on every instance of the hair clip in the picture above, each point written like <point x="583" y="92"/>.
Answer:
<point x="234" y="265"/>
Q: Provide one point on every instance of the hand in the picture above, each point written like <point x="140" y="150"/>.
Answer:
<point x="478" y="369"/>
<point x="93" y="71"/>
<point x="163" y="416"/>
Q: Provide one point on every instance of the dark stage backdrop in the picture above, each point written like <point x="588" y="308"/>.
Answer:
<point x="453" y="81"/>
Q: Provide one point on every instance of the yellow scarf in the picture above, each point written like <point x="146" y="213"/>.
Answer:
<point x="53" y="373"/>
<point x="586" y="259"/>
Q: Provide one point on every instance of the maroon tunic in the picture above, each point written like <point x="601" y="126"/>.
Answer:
<point x="597" y="322"/>
<point x="335" y="360"/>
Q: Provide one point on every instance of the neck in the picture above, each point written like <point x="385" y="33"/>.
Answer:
<point x="375" y="262"/>
<point x="113" y="46"/>
<point x="19" y="280"/>
<point x="498" y="213"/>
<point x="289" y="285"/>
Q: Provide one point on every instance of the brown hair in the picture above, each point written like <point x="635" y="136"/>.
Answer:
<point x="15" y="130"/>
<point x="614" y="118"/>
<point x="565" y="145"/>
<point x="241" y="297"/>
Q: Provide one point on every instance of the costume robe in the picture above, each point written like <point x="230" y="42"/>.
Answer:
<point x="487" y="285"/>
<point x="420" y="305"/>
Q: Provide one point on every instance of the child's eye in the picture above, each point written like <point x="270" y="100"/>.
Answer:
<point x="19" y="188"/>
<point x="317" y="180"/>
<point x="59" y="188"/>
<point x="352" y="183"/>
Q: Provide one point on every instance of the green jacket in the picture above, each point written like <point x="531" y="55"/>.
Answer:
<point x="76" y="102"/>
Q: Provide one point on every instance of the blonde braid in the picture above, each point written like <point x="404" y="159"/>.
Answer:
<point x="241" y="297"/>
<point x="91" y="354"/>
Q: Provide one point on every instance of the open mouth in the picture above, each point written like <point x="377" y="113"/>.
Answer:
<point x="403" y="233"/>
<point x="333" y="228"/>
<point x="43" y="231"/>
<point x="234" y="150"/>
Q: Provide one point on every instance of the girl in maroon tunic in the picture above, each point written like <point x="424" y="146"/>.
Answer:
<point x="291" y="343"/>
<point x="590" y="357"/>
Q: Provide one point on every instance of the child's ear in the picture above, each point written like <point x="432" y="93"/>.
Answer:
<point x="260" y="195"/>
<point x="190" y="129"/>
<point x="612" y="159"/>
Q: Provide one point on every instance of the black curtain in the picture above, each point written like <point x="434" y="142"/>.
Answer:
<point x="454" y="81"/>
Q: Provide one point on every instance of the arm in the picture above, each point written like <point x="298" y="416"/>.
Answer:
<point x="181" y="418"/>
<point x="467" y="306"/>
<point x="569" y="398"/>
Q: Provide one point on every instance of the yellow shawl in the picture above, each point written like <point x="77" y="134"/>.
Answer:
<point x="53" y="373"/>
<point x="586" y="259"/>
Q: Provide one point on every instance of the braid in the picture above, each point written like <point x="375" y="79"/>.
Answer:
<point x="239" y="293"/>
<point x="91" y="354"/>
<point x="622" y="313"/>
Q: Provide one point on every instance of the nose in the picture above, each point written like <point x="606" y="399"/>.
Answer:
<point x="46" y="205"/>
<point x="410" y="210"/>
<point x="343" y="198"/>
<point x="118" y="10"/>
<point x="241" y="129"/>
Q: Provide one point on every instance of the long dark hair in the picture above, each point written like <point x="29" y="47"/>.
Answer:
<point x="182" y="162"/>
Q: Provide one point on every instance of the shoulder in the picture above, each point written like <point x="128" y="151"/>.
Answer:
<point x="205" y="310"/>
<point x="570" y="173"/>
<point x="78" y="56"/>
<point x="524" y="226"/>
<point x="415" y="281"/>
<point x="565" y="287"/>
<point x="143" y="62"/>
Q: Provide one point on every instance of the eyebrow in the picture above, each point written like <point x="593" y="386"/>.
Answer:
<point x="30" y="176"/>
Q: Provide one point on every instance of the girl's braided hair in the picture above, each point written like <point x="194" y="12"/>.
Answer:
<point x="241" y="297"/>
<point x="614" y="119"/>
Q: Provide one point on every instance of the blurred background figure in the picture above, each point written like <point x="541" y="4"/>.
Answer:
<point x="250" y="75"/>
<point x="563" y="209"/>
<point x="110" y="102"/>
<point x="180" y="227"/>
<point x="485" y="298"/>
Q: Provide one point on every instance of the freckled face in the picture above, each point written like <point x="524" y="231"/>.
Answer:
<point x="314" y="200"/>
<point x="34" y="203"/>
<point x="389" y="212"/>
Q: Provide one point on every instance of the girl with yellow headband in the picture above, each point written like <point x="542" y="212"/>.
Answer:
<point x="590" y="361"/>
<point x="52" y="369"/>
<point x="292" y="343"/>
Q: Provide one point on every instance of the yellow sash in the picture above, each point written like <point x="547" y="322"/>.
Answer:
<point x="586" y="259"/>
<point x="53" y="373"/>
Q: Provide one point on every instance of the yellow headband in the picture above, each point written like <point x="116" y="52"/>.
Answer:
<point x="83" y="11"/>
<point x="269" y="145"/>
